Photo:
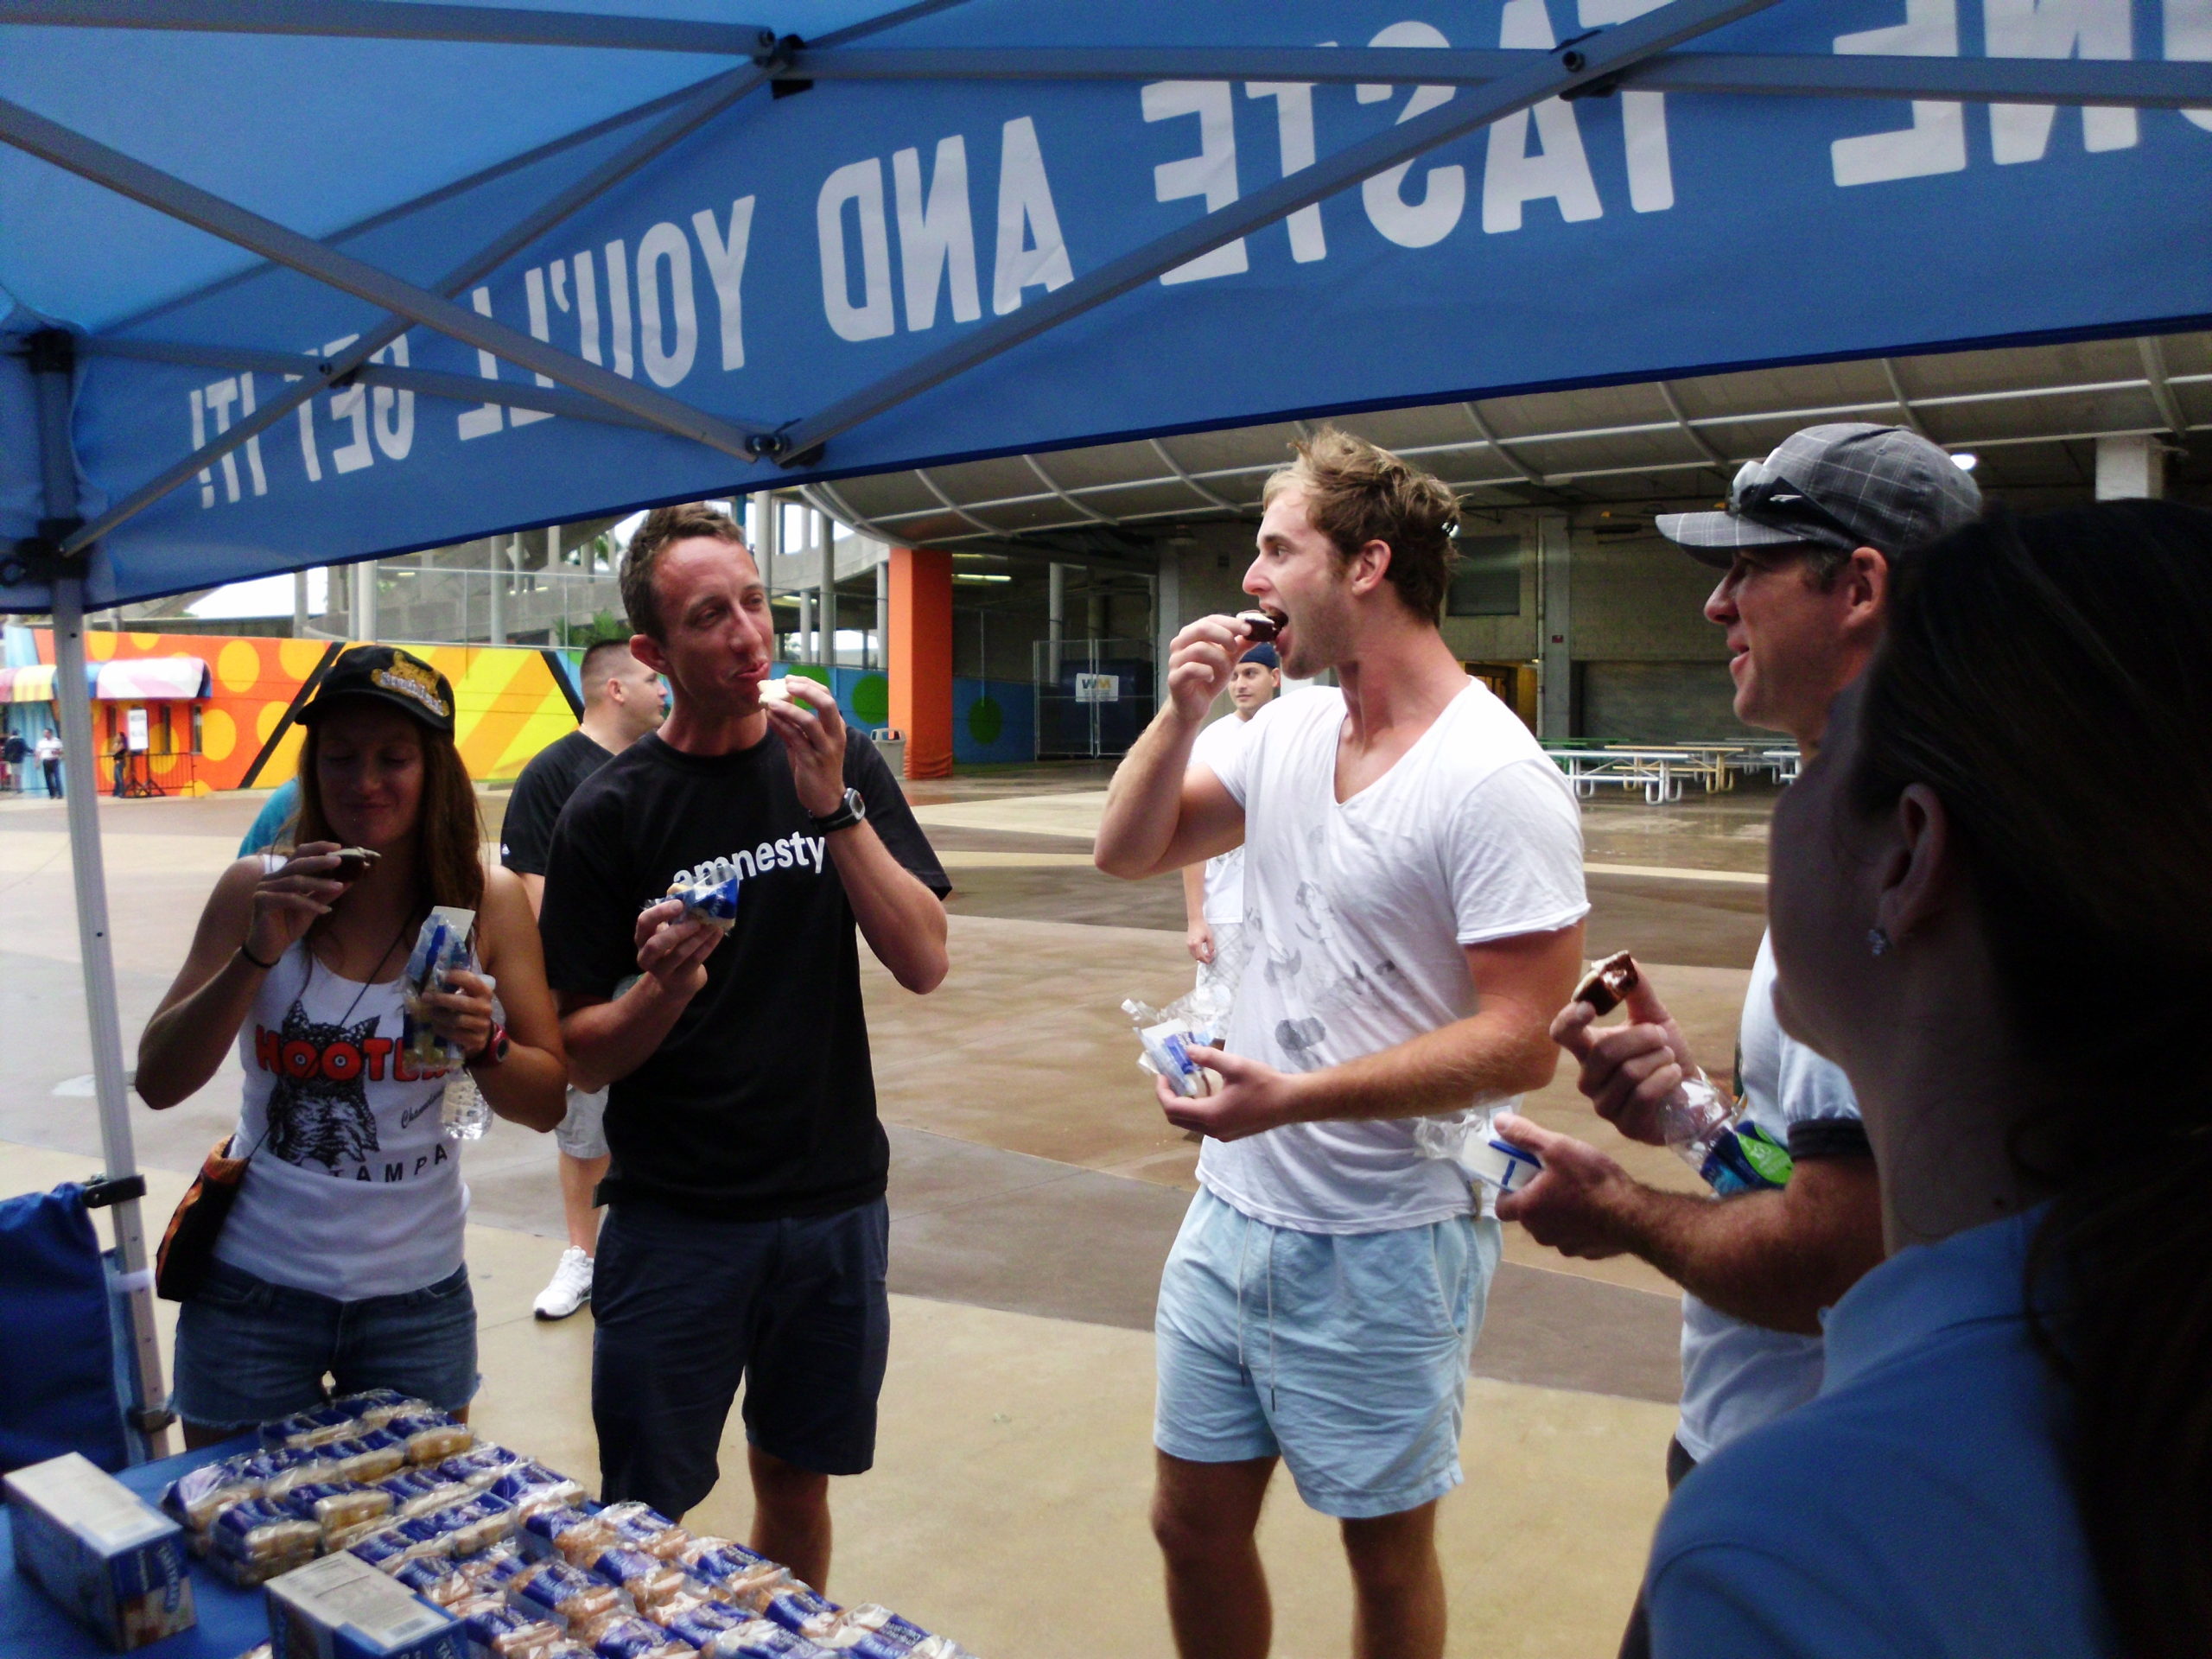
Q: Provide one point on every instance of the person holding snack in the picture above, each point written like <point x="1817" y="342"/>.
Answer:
<point x="623" y="700"/>
<point x="1808" y="546"/>
<point x="2008" y="1452"/>
<point x="1213" y="892"/>
<point x="702" y="899"/>
<point x="341" y="1255"/>
<point x="1413" y="906"/>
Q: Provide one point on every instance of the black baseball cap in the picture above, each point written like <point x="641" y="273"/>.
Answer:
<point x="1844" y="486"/>
<point x="389" y="675"/>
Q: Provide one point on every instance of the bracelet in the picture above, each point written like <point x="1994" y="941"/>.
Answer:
<point x="265" y="967"/>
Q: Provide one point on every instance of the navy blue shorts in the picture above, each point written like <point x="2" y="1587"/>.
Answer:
<point x="248" y="1350"/>
<point x="687" y="1308"/>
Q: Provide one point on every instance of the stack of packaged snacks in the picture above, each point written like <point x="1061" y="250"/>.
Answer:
<point x="510" y="1548"/>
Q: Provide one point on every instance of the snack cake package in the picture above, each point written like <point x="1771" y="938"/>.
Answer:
<point x="341" y="1607"/>
<point x="111" y="1561"/>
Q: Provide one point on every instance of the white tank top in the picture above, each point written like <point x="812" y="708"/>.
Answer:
<point x="354" y="1189"/>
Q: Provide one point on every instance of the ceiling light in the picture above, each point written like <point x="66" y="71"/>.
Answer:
<point x="978" y="575"/>
<point x="1966" y="460"/>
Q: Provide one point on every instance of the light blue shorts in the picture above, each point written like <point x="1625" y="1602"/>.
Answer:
<point x="1346" y="1354"/>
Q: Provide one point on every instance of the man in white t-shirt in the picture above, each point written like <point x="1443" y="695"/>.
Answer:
<point x="1213" y="892"/>
<point x="1807" y="544"/>
<point x="1413" y="907"/>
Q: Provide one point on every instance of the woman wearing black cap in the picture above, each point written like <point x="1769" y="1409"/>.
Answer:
<point x="341" y="1257"/>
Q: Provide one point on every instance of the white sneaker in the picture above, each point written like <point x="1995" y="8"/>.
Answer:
<point x="570" y="1289"/>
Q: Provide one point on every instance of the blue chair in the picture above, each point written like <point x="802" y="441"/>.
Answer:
<point x="66" y="1386"/>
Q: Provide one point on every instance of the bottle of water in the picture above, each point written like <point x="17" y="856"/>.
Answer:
<point x="464" y="1114"/>
<point x="1715" y="1137"/>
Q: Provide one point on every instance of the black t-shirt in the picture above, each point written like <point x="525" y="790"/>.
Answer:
<point x="526" y="837"/>
<point x="760" y="1103"/>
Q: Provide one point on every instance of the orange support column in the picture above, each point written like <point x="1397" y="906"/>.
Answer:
<point x="920" y="655"/>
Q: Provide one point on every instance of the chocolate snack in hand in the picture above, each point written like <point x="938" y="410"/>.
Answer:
<point x="1609" y="983"/>
<point x="1260" y="626"/>
<point x="353" y="863"/>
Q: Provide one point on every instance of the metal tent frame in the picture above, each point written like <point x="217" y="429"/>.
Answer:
<point x="1642" y="55"/>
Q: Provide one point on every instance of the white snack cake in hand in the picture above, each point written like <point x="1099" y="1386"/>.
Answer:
<point x="111" y="1561"/>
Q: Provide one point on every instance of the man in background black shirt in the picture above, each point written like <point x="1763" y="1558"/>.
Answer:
<point x="746" y="1236"/>
<point x="623" y="700"/>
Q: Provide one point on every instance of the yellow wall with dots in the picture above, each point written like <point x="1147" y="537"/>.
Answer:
<point x="509" y="702"/>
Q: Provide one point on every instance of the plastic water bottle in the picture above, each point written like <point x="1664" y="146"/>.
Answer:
<point x="1715" y="1137"/>
<point x="465" y="1114"/>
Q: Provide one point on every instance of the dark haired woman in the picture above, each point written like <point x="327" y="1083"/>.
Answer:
<point x="1993" y="906"/>
<point x="342" y="1256"/>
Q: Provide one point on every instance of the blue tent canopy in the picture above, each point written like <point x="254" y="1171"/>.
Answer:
<point x="299" y="281"/>
<point x="598" y="260"/>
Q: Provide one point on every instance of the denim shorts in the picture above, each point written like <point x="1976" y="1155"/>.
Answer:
<point x="1345" y="1354"/>
<point x="581" y="1132"/>
<point x="248" y="1350"/>
<point x="687" y="1307"/>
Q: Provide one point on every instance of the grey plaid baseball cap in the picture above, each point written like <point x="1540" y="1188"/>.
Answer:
<point x="1846" y="486"/>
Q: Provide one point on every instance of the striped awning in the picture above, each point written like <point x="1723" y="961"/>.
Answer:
<point x="31" y="684"/>
<point x="150" y="679"/>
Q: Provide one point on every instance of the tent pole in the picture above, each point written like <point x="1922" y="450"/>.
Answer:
<point x="53" y="365"/>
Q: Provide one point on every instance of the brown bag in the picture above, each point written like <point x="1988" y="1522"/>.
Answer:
<point x="188" y="1245"/>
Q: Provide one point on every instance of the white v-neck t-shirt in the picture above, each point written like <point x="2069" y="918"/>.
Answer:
<point x="1356" y="913"/>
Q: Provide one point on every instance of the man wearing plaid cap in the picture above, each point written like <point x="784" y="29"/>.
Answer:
<point x="1807" y="542"/>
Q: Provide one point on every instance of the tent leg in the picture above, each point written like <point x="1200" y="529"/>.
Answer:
<point x="72" y="698"/>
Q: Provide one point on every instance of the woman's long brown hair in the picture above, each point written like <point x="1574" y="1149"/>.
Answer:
<point x="449" y="825"/>
<point x="2050" y="679"/>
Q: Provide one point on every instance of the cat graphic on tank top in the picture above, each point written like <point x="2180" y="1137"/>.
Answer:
<point x="323" y="1116"/>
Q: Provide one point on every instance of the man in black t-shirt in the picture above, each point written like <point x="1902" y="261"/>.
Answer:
<point x="746" y="1236"/>
<point x="623" y="700"/>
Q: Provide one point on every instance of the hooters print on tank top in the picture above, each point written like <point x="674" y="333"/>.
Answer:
<point x="354" y="1189"/>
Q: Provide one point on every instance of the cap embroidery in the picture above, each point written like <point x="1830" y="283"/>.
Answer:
<point x="412" y="680"/>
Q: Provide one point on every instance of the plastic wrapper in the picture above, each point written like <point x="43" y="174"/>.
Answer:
<point x="558" y="1590"/>
<point x="333" y="1505"/>
<point x="565" y="1531"/>
<point x="427" y="1435"/>
<point x="422" y="1491"/>
<point x="758" y="1639"/>
<point x="1197" y="1019"/>
<point x="194" y="1498"/>
<point x="643" y="1527"/>
<point x="711" y="899"/>
<point x="316" y="1425"/>
<point x="804" y="1612"/>
<point x="650" y="1581"/>
<point x="494" y="1570"/>
<point x="374" y="1407"/>
<point x="478" y="1524"/>
<point x="367" y="1457"/>
<point x="435" y="1580"/>
<point x="1467" y="1139"/>
<point x="699" y="1625"/>
<point x="755" y="1588"/>
<point x="479" y="1465"/>
<point x="261" y="1529"/>
<point x="876" y="1632"/>
<point x="441" y="948"/>
<point x="531" y="1486"/>
<point x="298" y="1467"/>
<point x="631" y="1638"/>
<point x="496" y="1631"/>
<point x="243" y="1575"/>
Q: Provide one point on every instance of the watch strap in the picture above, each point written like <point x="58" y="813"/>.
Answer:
<point x="851" y="810"/>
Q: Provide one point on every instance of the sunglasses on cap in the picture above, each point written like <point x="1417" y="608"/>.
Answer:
<point x="1765" y="497"/>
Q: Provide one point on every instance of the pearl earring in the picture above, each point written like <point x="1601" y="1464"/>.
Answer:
<point x="1878" y="942"/>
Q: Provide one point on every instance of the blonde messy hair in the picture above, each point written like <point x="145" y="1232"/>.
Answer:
<point x="1357" y="492"/>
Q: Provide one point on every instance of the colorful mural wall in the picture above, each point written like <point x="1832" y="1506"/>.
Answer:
<point x="510" y="701"/>
<point x="993" y="720"/>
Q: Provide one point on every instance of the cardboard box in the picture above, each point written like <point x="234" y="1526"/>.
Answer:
<point x="341" y="1607"/>
<point x="112" y="1562"/>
